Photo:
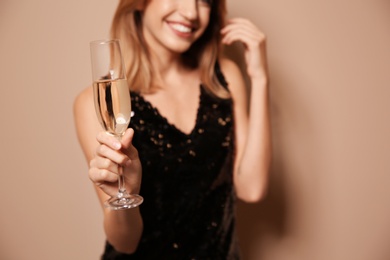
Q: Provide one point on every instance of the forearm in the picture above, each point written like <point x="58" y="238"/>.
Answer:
<point x="123" y="229"/>
<point x="253" y="167"/>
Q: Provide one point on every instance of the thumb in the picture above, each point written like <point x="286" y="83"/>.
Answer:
<point x="127" y="138"/>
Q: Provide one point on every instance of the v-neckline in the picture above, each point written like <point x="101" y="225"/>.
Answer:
<point x="171" y="124"/>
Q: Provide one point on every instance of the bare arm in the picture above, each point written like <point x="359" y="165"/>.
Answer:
<point x="252" y="130"/>
<point x="123" y="228"/>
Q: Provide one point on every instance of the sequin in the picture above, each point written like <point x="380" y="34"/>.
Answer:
<point x="221" y="121"/>
<point x="225" y="144"/>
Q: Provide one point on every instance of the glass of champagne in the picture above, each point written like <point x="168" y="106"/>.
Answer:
<point x="112" y="105"/>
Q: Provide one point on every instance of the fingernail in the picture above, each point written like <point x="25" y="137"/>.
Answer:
<point x="117" y="145"/>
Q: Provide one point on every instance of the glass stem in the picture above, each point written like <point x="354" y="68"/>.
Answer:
<point x="121" y="180"/>
<point x="121" y="183"/>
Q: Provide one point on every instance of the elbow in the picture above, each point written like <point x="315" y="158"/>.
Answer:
<point x="251" y="181"/>
<point x="252" y="195"/>
<point x="251" y="188"/>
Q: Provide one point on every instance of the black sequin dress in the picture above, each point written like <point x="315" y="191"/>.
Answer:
<point x="189" y="200"/>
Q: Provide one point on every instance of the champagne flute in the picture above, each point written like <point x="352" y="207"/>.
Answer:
<point x="112" y="105"/>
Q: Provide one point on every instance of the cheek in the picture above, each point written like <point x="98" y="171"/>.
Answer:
<point x="164" y="7"/>
<point x="204" y="16"/>
<point x="205" y="19"/>
<point x="158" y="8"/>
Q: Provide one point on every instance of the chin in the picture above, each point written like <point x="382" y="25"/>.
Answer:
<point x="179" y="46"/>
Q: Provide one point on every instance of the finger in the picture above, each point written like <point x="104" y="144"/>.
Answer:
<point x="108" y="140"/>
<point x="127" y="138"/>
<point x="247" y="39"/>
<point x="100" y="163"/>
<point x="249" y="29"/>
<point x="106" y="181"/>
<point x="240" y="27"/>
<point x="107" y="152"/>
<point x="101" y="176"/>
<point x="242" y="23"/>
<point x="127" y="144"/>
<point x="107" y="164"/>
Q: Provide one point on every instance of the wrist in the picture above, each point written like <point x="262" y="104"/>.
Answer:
<point x="260" y="80"/>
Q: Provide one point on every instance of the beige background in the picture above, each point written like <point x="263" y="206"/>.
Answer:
<point x="329" y="189"/>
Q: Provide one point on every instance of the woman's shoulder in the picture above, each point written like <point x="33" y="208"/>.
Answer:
<point x="83" y="108"/>
<point x="83" y="99"/>
<point x="85" y="120"/>
<point x="84" y="94"/>
<point x="227" y="64"/>
<point x="233" y="74"/>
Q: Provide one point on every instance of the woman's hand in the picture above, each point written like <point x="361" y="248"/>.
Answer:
<point x="244" y="31"/>
<point x="103" y="168"/>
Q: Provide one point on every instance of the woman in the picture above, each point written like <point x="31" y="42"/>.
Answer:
<point x="192" y="147"/>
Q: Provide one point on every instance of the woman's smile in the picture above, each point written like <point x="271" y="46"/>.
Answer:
<point x="181" y="29"/>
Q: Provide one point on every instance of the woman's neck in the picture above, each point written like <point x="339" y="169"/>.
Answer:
<point x="169" y="68"/>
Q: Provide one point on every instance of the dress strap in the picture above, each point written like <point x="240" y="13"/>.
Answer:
<point x="220" y="76"/>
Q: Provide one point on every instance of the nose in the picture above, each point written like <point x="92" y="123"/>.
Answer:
<point x="189" y="9"/>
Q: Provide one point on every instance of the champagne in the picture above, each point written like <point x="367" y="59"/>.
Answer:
<point x="113" y="105"/>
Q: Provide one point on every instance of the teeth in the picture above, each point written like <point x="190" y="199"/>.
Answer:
<point x="181" y="28"/>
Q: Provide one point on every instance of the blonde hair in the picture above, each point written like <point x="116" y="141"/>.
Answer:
<point x="204" y="53"/>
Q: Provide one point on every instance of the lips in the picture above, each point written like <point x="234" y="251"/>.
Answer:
<point x="181" y="28"/>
